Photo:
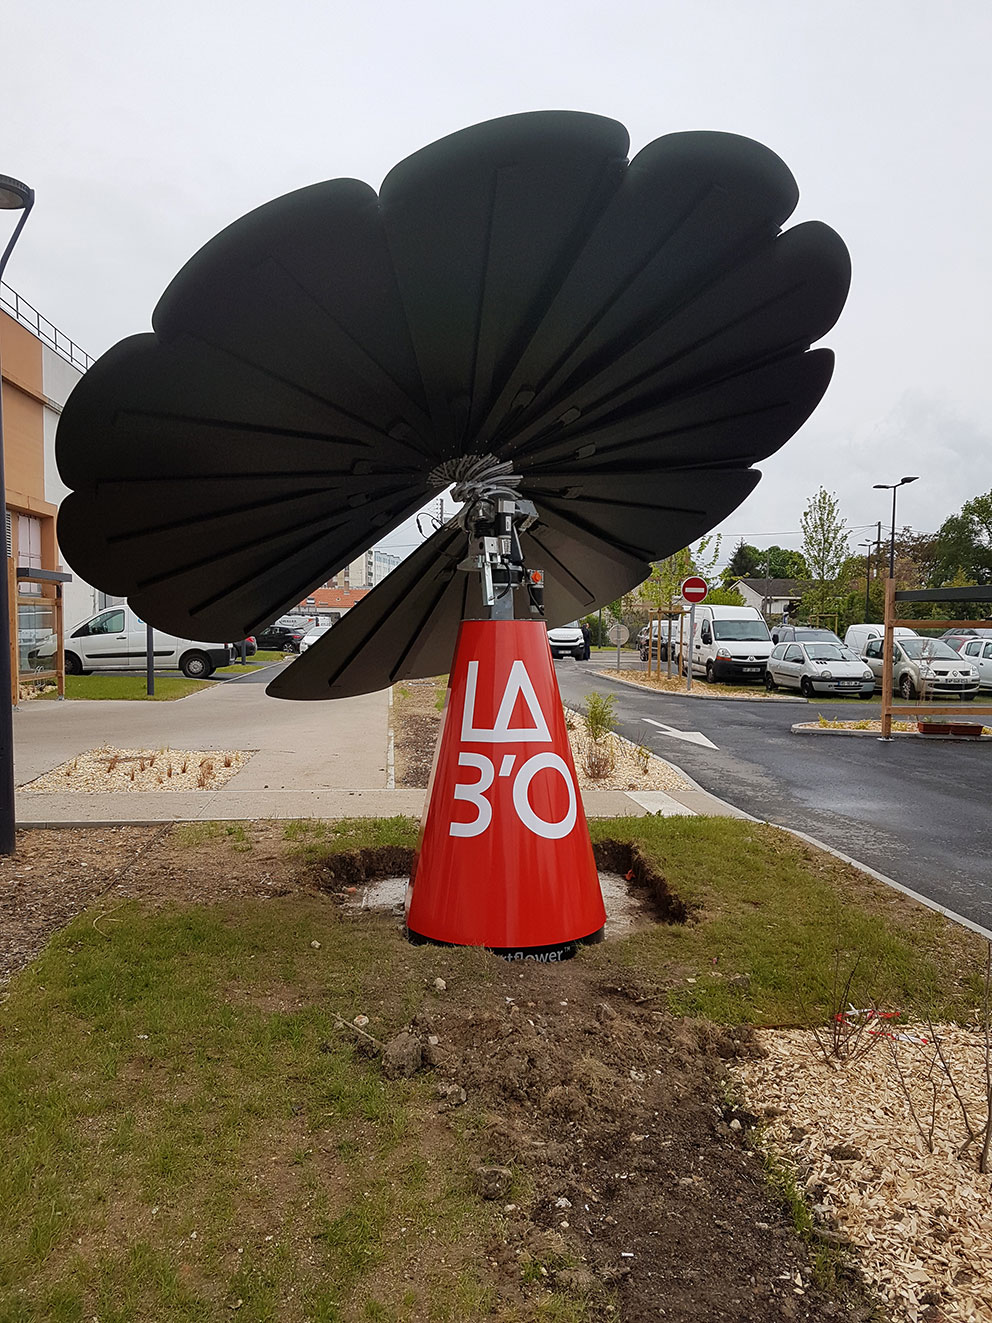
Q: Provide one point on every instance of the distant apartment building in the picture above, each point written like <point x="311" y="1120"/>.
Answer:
<point x="38" y="368"/>
<point x="366" y="571"/>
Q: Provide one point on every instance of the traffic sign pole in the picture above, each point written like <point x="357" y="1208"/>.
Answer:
<point x="693" y="591"/>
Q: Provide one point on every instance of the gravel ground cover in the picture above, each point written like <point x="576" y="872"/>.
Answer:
<point x="634" y="767"/>
<point x="675" y="684"/>
<point x="110" y="769"/>
<point x="873" y="724"/>
<point x="886" y="1145"/>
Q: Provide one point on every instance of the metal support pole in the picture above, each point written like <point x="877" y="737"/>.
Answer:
<point x="692" y="635"/>
<point x="888" y="657"/>
<point x="892" y="539"/>
<point x="12" y="194"/>
<point x="149" y="660"/>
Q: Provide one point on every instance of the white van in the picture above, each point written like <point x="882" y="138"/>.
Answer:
<point x="116" y="640"/>
<point x="730" y="643"/>
<point x="858" y="637"/>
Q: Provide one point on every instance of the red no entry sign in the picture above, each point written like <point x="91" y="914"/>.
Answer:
<point x="694" y="589"/>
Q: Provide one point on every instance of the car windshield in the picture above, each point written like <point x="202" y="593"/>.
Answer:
<point x="807" y="635"/>
<point x="920" y="649"/>
<point x="829" y="652"/>
<point x="753" y="631"/>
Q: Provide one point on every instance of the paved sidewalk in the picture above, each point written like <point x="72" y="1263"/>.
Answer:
<point x="313" y="760"/>
<point x="339" y="745"/>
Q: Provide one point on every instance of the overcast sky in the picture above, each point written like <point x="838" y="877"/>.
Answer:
<point x="144" y="129"/>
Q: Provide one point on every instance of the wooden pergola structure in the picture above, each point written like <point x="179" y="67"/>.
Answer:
<point x="983" y="595"/>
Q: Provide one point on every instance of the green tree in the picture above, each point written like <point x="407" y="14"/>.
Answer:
<point x="749" y="562"/>
<point x="825" y="549"/>
<point x="743" y="564"/>
<point x="963" y="544"/>
<point x="662" y="587"/>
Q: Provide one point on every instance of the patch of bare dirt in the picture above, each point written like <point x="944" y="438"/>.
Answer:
<point x="416" y="721"/>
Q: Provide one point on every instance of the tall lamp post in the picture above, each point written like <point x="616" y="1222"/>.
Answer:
<point x="14" y="196"/>
<point x="893" y="487"/>
<point x="868" y="546"/>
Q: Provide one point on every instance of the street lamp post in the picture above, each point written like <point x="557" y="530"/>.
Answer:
<point x="14" y="196"/>
<point x="893" y="487"/>
<point x="868" y="546"/>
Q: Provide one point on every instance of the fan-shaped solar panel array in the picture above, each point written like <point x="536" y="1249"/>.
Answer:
<point x="633" y="336"/>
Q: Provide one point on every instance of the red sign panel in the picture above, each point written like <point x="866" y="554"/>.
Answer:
<point x="505" y="859"/>
<point x="694" y="589"/>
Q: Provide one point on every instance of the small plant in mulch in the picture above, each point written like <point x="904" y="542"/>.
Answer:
<point x="600" y="756"/>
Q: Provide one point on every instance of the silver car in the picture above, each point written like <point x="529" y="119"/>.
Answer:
<point x="925" y="668"/>
<point x="819" y="668"/>
<point x="978" y="652"/>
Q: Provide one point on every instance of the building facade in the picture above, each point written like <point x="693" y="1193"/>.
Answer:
<point x="366" y="571"/>
<point x="38" y="368"/>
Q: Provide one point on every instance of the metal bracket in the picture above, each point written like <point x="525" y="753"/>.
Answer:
<point x="494" y="516"/>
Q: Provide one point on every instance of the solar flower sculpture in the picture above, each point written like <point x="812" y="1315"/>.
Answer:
<point x="595" y="351"/>
<point x="633" y="337"/>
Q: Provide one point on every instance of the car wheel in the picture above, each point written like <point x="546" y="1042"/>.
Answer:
<point x="866" y="696"/>
<point x="710" y="677"/>
<point x="769" y="682"/>
<point x="73" y="666"/>
<point x="906" y="686"/>
<point x="196" y="666"/>
<point x="806" y="687"/>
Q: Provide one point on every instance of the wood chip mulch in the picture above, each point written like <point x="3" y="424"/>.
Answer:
<point x="881" y="1143"/>
<point x="110" y="769"/>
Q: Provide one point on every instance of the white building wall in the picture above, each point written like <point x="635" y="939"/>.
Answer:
<point x="80" y="599"/>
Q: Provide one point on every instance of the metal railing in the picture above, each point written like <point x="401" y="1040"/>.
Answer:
<point x="47" y="332"/>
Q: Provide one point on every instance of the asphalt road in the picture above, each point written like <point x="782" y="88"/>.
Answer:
<point x="917" y="811"/>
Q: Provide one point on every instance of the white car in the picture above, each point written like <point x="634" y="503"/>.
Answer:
<point x="924" y="667"/>
<point x="312" y="635"/>
<point x="819" y="668"/>
<point x="978" y="651"/>
<point x="115" y="639"/>
<point x="567" y="641"/>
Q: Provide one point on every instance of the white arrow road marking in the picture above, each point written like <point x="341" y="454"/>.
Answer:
<point x="690" y="736"/>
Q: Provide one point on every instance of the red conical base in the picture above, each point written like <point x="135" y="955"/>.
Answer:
<point x="505" y="859"/>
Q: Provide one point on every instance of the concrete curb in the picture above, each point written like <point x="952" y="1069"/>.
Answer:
<point x="706" y="698"/>
<point x="800" y="729"/>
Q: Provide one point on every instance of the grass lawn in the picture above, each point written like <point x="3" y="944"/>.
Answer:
<point x="97" y="686"/>
<point x="775" y="922"/>
<point x="187" y="1134"/>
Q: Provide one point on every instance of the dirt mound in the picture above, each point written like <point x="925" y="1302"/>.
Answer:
<point x="615" y="1117"/>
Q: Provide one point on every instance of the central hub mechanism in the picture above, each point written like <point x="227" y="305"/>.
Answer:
<point x="494" y="514"/>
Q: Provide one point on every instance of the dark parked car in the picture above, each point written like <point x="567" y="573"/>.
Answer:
<point x="803" y="634"/>
<point x="278" y="638"/>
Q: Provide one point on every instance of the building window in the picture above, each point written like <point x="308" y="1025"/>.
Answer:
<point x="29" y="548"/>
